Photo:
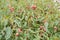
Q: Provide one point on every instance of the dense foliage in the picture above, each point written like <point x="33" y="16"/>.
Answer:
<point x="29" y="20"/>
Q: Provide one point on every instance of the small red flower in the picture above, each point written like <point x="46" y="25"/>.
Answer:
<point x="33" y="7"/>
<point x="19" y="30"/>
<point x="41" y="27"/>
<point x="44" y="29"/>
<point x="17" y="34"/>
<point x="12" y="9"/>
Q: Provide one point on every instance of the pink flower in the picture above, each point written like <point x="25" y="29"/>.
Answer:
<point x="12" y="9"/>
<point x="41" y="27"/>
<point x="44" y="29"/>
<point x="17" y="34"/>
<point x="19" y="30"/>
<point x="33" y="7"/>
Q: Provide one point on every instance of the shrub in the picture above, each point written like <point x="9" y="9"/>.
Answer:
<point x="29" y="20"/>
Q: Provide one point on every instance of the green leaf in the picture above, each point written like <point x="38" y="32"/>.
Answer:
<point x="0" y="36"/>
<point x="8" y="33"/>
<point x="46" y="25"/>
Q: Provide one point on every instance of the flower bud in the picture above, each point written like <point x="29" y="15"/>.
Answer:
<point x="17" y="34"/>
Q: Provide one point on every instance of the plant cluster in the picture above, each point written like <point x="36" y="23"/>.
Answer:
<point x="29" y="20"/>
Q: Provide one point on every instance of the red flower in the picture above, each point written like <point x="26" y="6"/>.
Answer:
<point x="12" y="9"/>
<point x="33" y="7"/>
<point x="17" y="34"/>
<point x="41" y="27"/>
<point x="19" y="30"/>
<point x="44" y="29"/>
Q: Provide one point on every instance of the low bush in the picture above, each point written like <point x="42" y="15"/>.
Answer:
<point x="29" y="20"/>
